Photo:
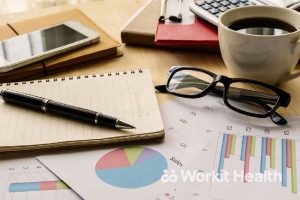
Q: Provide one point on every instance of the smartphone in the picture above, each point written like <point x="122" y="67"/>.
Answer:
<point x="38" y="45"/>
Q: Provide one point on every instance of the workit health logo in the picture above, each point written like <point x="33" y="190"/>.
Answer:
<point x="172" y="176"/>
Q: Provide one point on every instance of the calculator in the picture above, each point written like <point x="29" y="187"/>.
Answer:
<point x="210" y="10"/>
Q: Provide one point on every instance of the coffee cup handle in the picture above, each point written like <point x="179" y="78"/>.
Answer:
<point x="292" y="75"/>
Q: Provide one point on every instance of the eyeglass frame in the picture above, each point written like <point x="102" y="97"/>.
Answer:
<point x="284" y="98"/>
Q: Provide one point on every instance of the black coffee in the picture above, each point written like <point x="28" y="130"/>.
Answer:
<point x="262" y="26"/>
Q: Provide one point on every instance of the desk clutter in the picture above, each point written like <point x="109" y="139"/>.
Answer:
<point x="193" y="144"/>
<point x="145" y="29"/>
<point x="232" y="144"/>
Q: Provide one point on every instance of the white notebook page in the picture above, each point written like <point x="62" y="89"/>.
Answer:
<point x="127" y="95"/>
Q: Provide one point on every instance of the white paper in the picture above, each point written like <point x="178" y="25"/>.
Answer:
<point x="194" y="131"/>
<point x="19" y="178"/>
<point x="78" y="169"/>
<point x="212" y="121"/>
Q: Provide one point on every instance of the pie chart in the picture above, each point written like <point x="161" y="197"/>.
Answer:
<point x="131" y="167"/>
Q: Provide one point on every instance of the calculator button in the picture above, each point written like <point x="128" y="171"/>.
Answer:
<point x="213" y="11"/>
<point x="206" y="7"/>
<point x="233" y="1"/>
<point x="218" y="15"/>
<point x="223" y="9"/>
<point x="231" y="6"/>
<point x="209" y="1"/>
<point x="199" y="3"/>
<point x="243" y="1"/>
<point x="218" y="1"/>
<point x="240" y="4"/>
<point x="249" y="3"/>
<point x="225" y="3"/>
<point x="215" y="5"/>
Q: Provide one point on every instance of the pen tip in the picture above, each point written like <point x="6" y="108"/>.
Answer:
<point x="123" y="125"/>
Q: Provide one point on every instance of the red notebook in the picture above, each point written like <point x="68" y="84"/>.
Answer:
<point x="199" y="33"/>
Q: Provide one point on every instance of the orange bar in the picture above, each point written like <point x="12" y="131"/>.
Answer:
<point x="288" y="153"/>
<point x="228" y="146"/>
<point x="268" y="146"/>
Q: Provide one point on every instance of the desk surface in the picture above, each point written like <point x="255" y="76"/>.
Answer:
<point x="112" y="15"/>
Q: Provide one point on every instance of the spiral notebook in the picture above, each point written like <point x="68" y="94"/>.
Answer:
<point x="128" y="95"/>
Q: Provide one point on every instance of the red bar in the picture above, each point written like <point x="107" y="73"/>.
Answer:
<point x="228" y="146"/>
<point x="288" y="154"/>
<point x="247" y="157"/>
<point x="268" y="146"/>
<point x="48" y="185"/>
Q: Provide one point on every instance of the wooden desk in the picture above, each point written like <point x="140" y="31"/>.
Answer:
<point x="112" y="15"/>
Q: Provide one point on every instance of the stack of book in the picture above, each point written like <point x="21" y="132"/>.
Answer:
<point x="145" y="29"/>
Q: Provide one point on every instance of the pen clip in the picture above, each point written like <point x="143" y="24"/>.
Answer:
<point x="1" y="93"/>
<point x="163" y="10"/>
<point x="173" y="18"/>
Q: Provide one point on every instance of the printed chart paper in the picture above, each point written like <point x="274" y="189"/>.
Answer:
<point x="202" y="135"/>
<point x="242" y="147"/>
<point x="130" y="172"/>
<point x="26" y="178"/>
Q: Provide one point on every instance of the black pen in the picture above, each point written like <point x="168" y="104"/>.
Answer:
<point x="68" y="111"/>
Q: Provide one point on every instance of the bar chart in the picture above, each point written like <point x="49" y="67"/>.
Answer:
<point x="250" y="155"/>
<point x="37" y="186"/>
<point x="28" y="179"/>
<point x="226" y="149"/>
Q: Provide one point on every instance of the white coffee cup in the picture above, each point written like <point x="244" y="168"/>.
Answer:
<point x="266" y="58"/>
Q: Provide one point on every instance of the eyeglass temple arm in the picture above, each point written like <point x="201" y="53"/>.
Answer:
<point x="161" y="88"/>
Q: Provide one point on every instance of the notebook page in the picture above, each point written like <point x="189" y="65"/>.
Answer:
<point x="127" y="95"/>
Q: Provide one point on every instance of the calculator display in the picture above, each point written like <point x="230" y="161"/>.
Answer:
<point x="283" y="3"/>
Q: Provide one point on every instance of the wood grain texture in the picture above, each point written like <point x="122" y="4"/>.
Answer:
<point x="111" y="15"/>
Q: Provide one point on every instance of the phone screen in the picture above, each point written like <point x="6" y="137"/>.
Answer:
<point x="36" y="43"/>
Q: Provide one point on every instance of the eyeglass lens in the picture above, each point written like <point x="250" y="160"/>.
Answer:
<point x="189" y="82"/>
<point x="241" y="96"/>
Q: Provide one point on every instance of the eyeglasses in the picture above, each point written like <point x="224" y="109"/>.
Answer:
<point x="248" y="97"/>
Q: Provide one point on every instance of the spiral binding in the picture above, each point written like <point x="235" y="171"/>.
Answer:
<point x="72" y="78"/>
